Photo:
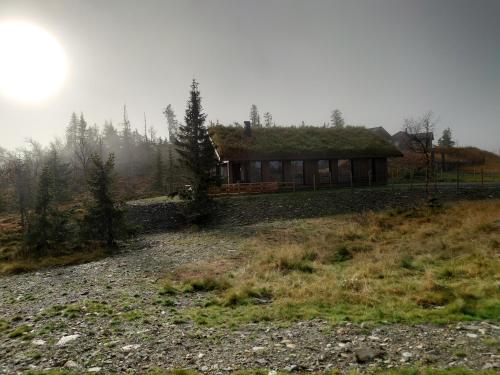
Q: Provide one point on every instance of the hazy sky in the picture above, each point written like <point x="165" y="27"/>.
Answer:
<point x="379" y="61"/>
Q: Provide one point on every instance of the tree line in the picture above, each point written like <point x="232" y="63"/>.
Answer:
<point x="66" y="194"/>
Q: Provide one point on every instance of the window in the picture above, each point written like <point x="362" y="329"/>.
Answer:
<point x="297" y="167"/>
<point x="324" y="171"/>
<point x="276" y="170"/>
<point x="344" y="171"/>
<point x="255" y="169"/>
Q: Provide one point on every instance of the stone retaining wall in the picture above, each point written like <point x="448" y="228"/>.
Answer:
<point x="243" y="210"/>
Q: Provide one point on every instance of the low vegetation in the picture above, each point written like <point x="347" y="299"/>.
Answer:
<point x="436" y="264"/>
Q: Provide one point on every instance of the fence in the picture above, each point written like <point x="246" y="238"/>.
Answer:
<point x="435" y="178"/>
<point x="397" y="178"/>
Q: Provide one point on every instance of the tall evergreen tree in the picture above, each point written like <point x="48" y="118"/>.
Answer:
<point x="104" y="220"/>
<point x="47" y="226"/>
<point x="255" y="117"/>
<point x="446" y="139"/>
<point x="158" y="177"/>
<point x="172" y="123"/>
<point x="196" y="153"/>
<point x="268" y="120"/>
<point x="337" y="120"/>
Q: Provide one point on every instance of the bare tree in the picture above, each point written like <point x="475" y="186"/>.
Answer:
<point x="420" y="136"/>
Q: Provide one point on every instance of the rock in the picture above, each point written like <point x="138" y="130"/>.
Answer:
<point x="65" y="339"/>
<point x="201" y="355"/>
<point x="406" y="356"/>
<point x="366" y="354"/>
<point x="204" y="369"/>
<point x="472" y="335"/>
<point x="258" y="348"/>
<point x="291" y="346"/>
<point x="94" y="369"/>
<point x="71" y="364"/>
<point x="38" y="342"/>
<point x="129" y="348"/>
<point x="272" y="372"/>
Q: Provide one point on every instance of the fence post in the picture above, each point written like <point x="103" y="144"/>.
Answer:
<point x="314" y="181"/>
<point x="352" y="184"/>
<point x="411" y="179"/>
<point x="482" y="177"/>
<point x="330" y="179"/>
<point x="458" y="179"/>
<point x="370" y="179"/>
<point x="294" y="186"/>
<point x="239" y="188"/>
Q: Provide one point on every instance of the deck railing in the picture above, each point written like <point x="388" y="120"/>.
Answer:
<point x="251" y="188"/>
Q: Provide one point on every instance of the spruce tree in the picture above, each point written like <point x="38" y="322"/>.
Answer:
<point x="268" y="120"/>
<point x="47" y="227"/>
<point x="197" y="154"/>
<point x="446" y="139"/>
<point x="254" y="116"/>
<point x="337" y="119"/>
<point x="104" y="220"/>
<point x="158" y="177"/>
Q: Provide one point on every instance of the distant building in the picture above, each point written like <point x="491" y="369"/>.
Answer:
<point x="382" y="133"/>
<point x="411" y="142"/>
<point x="303" y="155"/>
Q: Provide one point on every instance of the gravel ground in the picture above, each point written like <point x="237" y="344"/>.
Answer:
<point x="105" y="317"/>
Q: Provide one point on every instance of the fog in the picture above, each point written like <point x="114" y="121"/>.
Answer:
<point x="377" y="61"/>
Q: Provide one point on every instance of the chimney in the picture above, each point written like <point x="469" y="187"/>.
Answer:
<point x="247" y="132"/>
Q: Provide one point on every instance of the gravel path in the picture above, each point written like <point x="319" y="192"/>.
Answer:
<point x="105" y="317"/>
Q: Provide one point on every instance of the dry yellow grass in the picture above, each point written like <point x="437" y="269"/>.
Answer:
<point x="417" y="265"/>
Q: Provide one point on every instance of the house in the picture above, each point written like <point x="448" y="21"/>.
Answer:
<point x="406" y="142"/>
<point x="382" y="133"/>
<point x="304" y="155"/>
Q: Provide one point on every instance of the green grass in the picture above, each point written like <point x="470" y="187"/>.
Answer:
<point x="422" y="265"/>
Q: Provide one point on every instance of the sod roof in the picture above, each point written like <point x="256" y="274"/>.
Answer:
<point x="307" y="142"/>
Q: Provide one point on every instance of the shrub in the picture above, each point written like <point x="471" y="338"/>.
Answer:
<point x="340" y="254"/>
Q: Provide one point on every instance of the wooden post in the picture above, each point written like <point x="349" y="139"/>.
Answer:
<point x="370" y="179"/>
<point x="482" y="177"/>
<point x="293" y="186"/>
<point x="352" y="184"/>
<point x="392" y="180"/>
<point x="330" y="179"/>
<point x="314" y="181"/>
<point x="239" y="188"/>
<point x="411" y="179"/>
<point x="458" y="179"/>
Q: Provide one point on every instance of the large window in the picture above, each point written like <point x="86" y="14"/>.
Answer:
<point x="297" y="167"/>
<point x="276" y="170"/>
<point x="255" y="172"/>
<point x="344" y="171"/>
<point x="324" y="171"/>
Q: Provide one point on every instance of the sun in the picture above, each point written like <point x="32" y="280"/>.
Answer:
<point x="33" y="64"/>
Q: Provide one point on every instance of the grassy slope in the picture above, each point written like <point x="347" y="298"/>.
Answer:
<point x="414" y="266"/>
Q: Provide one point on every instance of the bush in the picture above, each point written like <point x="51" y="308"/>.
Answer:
<point x="340" y="254"/>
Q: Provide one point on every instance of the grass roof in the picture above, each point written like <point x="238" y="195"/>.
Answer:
<point x="307" y="142"/>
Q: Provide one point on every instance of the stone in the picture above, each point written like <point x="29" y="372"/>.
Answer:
<point x="129" y="348"/>
<point x="71" y="364"/>
<point x="366" y="354"/>
<point x="204" y="368"/>
<point x="94" y="369"/>
<point x="258" y="348"/>
<point x="472" y="335"/>
<point x="38" y="342"/>
<point x="66" y="339"/>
